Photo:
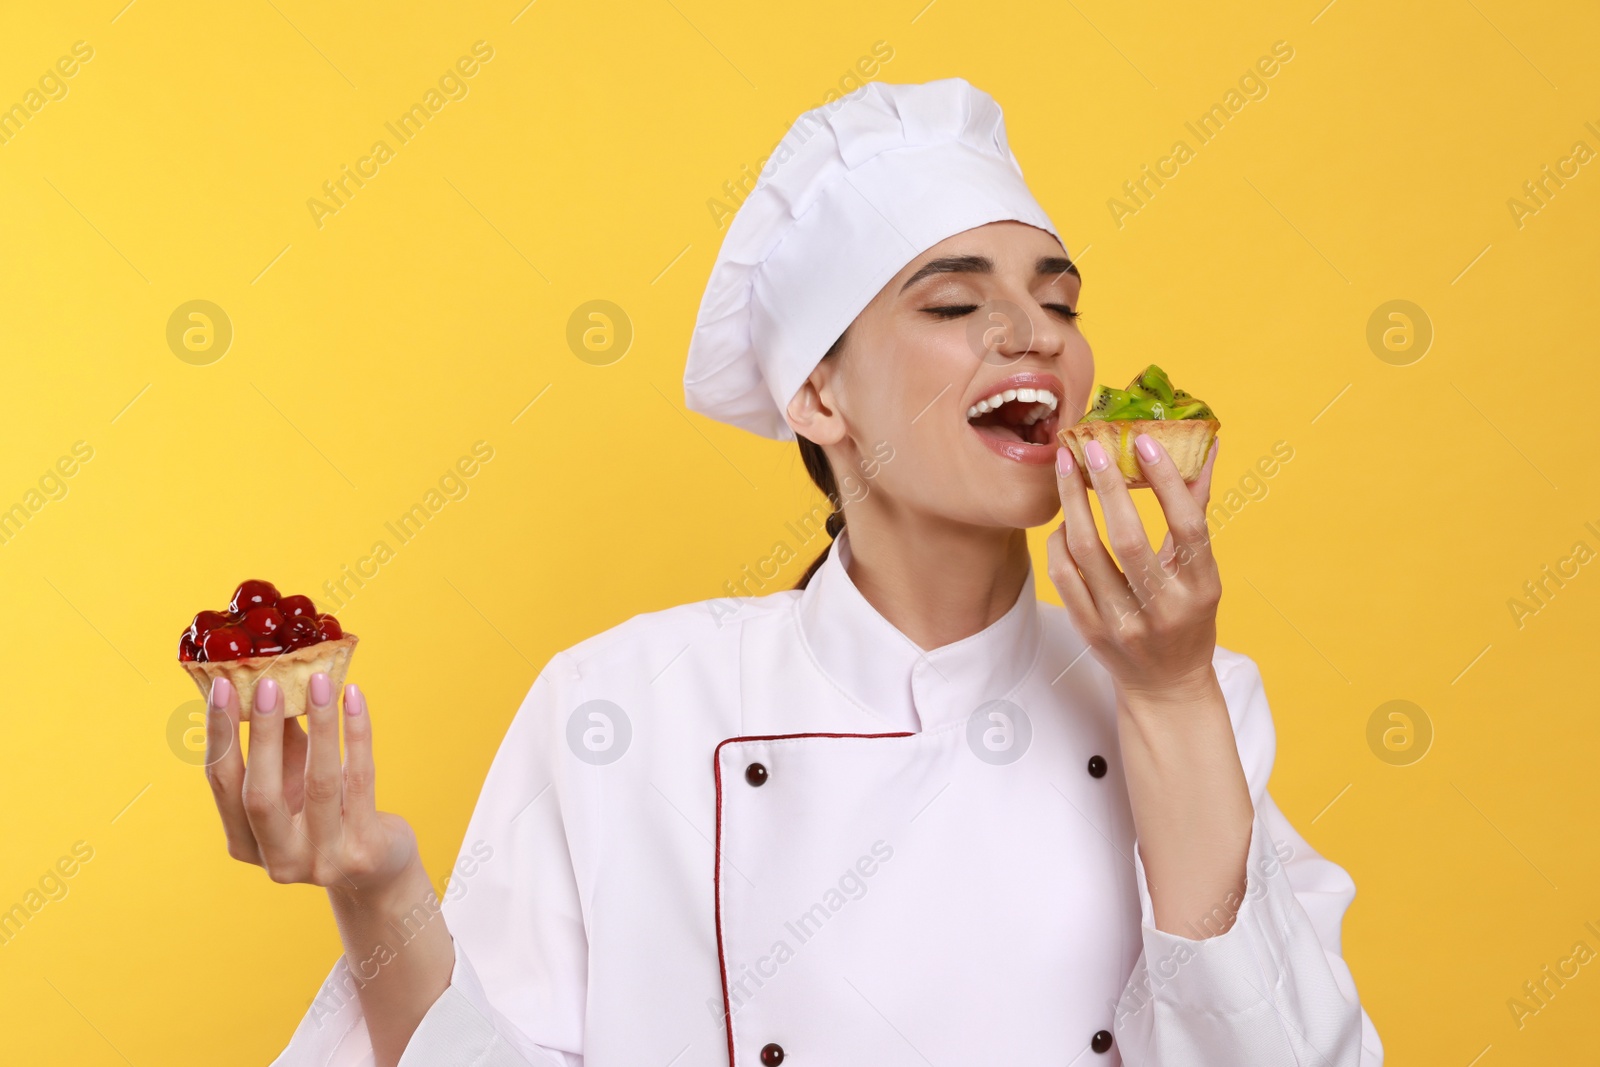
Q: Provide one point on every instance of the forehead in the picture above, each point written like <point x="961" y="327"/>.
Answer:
<point x="1007" y="233"/>
<point x="971" y="253"/>
<point x="1007" y="245"/>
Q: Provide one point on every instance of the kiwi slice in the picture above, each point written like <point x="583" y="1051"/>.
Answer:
<point x="1109" y="403"/>
<point x="1145" y="407"/>
<point x="1153" y="382"/>
<point x="1189" y="408"/>
<point x="1149" y="396"/>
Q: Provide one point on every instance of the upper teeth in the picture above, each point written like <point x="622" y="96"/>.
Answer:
<point x="1028" y="396"/>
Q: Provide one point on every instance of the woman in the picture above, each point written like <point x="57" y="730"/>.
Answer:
<point x="904" y="813"/>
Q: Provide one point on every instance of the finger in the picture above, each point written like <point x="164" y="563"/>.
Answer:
<point x="1081" y="539"/>
<point x="360" y="811"/>
<point x="1124" y="528"/>
<point x="295" y="739"/>
<point x="225" y="770"/>
<point x="1200" y="488"/>
<point x="324" y="790"/>
<point x="1075" y="593"/>
<point x="294" y="765"/>
<point x="263" y="778"/>
<point x="1186" y="518"/>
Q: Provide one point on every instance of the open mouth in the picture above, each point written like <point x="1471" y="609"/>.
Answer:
<point x="1017" y="416"/>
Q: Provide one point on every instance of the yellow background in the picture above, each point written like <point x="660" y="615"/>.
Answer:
<point x="431" y="310"/>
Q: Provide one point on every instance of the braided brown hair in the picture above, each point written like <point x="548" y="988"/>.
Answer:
<point x="821" y="472"/>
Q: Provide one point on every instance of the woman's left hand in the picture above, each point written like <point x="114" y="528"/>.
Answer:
<point x="1152" y="623"/>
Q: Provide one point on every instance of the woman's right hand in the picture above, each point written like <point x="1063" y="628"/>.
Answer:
<point x="292" y="808"/>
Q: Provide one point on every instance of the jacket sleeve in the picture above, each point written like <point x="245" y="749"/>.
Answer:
<point x="514" y="910"/>
<point x="1273" y="989"/>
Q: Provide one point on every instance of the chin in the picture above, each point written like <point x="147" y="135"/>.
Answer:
<point x="1038" y="512"/>
<point x="1018" y="506"/>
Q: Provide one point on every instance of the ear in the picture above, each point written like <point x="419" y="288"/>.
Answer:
<point x="812" y="412"/>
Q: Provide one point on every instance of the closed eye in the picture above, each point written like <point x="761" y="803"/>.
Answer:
<point x="955" y="311"/>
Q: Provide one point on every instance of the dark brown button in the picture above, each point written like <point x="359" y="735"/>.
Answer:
<point x="1097" y="769"/>
<point x="756" y="774"/>
<point x="1100" y="1042"/>
<point x="771" y="1055"/>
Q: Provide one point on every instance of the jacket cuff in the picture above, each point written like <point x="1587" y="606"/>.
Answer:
<point x="459" y="1028"/>
<point x="1238" y="969"/>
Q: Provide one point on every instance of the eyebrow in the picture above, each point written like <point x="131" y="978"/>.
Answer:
<point x="1057" y="265"/>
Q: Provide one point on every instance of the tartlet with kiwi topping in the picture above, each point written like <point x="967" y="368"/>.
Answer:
<point x="1183" y="424"/>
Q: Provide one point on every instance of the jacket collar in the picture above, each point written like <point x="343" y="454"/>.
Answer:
<point x="883" y="670"/>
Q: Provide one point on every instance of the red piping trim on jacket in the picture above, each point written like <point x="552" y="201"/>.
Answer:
<point x="716" y="867"/>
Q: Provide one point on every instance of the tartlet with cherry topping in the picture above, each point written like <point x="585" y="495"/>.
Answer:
<point x="262" y="634"/>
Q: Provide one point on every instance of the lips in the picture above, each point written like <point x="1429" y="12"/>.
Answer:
<point x="1016" y="417"/>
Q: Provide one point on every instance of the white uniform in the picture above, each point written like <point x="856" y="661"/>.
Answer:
<point x="774" y="830"/>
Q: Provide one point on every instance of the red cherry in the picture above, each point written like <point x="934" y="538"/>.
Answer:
<point x="331" y="630"/>
<point x="263" y="621"/>
<point x="267" y="646"/>
<point x="295" y="606"/>
<point x="253" y="594"/>
<point x="188" y="651"/>
<point x="301" y="632"/>
<point x="204" y="623"/>
<point x="225" y="643"/>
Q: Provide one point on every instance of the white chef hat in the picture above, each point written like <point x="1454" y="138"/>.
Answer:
<point x="857" y="188"/>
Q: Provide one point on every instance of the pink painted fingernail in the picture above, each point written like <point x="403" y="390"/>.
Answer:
<point x="267" y="693"/>
<point x="1096" y="456"/>
<point x="221" y="692"/>
<point x="1147" y="448"/>
<point x="354" y="702"/>
<point x="321" y="691"/>
<point x="1064" y="462"/>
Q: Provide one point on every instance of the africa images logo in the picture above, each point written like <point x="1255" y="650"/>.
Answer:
<point x="452" y="85"/>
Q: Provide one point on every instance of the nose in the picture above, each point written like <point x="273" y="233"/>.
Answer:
<point x="1012" y="328"/>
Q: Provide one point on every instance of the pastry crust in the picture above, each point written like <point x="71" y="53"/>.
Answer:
<point x="1187" y="441"/>
<point x="291" y="670"/>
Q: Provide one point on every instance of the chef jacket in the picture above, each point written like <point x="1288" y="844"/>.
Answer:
<point x="772" y="829"/>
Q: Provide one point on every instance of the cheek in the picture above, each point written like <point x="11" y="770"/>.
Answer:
<point x="936" y="379"/>
<point x="903" y="388"/>
<point x="1076" y="368"/>
<point x="922" y="450"/>
<point x="904" y="404"/>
